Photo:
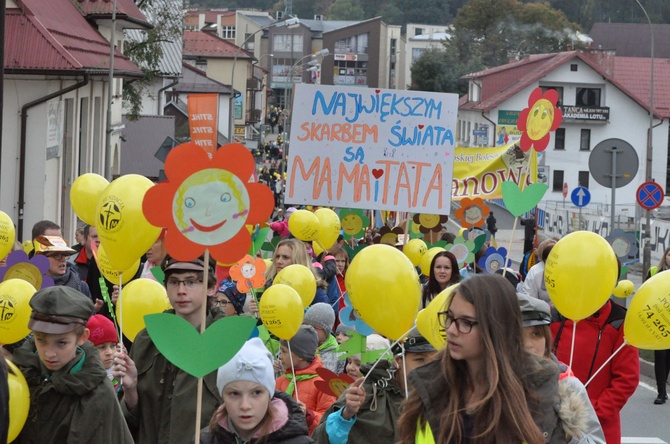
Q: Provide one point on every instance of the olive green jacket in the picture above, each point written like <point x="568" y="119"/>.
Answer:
<point x="76" y="404"/>
<point x="166" y="409"/>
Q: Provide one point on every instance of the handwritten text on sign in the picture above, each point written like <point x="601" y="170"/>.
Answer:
<point x="372" y="148"/>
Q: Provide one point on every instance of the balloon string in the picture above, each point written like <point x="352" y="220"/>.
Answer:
<point x="318" y="242"/>
<point x="572" y="344"/>
<point x="120" y="302"/>
<point x="606" y="362"/>
<point x="385" y="352"/>
<point x="404" y="370"/>
<point x="295" y="381"/>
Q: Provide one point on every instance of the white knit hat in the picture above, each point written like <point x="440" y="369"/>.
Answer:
<point x="252" y="363"/>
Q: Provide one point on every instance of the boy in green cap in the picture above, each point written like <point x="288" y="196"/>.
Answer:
<point x="72" y="400"/>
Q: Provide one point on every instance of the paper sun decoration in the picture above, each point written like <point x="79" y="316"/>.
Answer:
<point x="539" y="119"/>
<point x="353" y="222"/>
<point x="206" y="203"/>
<point x="249" y="273"/>
<point x="32" y="270"/>
<point x="332" y="384"/>
<point x="389" y="236"/>
<point x="494" y="259"/>
<point x="429" y="222"/>
<point x="350" y="317"/>
<point x="472" y="212"/>
<point x="463" y="250"/>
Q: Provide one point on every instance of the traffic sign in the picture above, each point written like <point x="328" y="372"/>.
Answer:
<point x="650" y="195"/>
<point x="565" y="190"/>
<point x="580" y="197"/>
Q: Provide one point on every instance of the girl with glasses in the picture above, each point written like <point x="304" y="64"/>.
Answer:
<point x="483" y="386"/>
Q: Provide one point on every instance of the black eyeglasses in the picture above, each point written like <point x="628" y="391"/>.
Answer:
<point x="463" y="325"/>
<point x="220" y="303"/>
<point x="57" y="256"/>
<point x="188" y="283"/>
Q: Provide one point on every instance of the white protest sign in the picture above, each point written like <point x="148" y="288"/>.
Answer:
<point x="355" y="147"/>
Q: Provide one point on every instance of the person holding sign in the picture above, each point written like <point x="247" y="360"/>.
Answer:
<point x="159" y="400"/>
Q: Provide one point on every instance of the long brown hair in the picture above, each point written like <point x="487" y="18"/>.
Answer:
<point x="502" y="415"/>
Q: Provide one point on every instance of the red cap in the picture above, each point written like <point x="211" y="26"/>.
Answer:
<point x="102" y="330"/>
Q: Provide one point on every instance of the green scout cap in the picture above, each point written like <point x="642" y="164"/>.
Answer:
<point x="59" y="309"/>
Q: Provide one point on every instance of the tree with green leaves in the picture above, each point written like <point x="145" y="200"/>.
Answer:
<point x="145" y="49"/>
<point x="346" y="10"/>
<point x="501" y="30"/>
<point x="442" y="69"/>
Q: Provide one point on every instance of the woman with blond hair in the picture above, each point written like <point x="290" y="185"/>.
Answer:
<point x="293" y="251"/>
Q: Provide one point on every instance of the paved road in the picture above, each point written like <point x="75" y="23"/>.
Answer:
<point x="642" y="422"/>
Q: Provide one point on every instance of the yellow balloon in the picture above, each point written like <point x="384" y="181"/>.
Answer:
<point x="139" y="298"/>
<point x="414" y="250"/>
<point x="110" y="273"/>
<point x="84" y="194"/>
<point x="624" y="289"/>
<point x="304" y="225"/>
<point x="19" y="401"/>
<point x="580" y="274"/>
<point x="299" y="278"/>
<point x="28" y="246"/>
<point x="427" y="322"/>
<point x="329" y="227"/>
<point x="281" y="311"/>
<point x="646" y="325"/>
<point x="123" y="230"/>
<point x="427" y="258"/>
<point x="317" y="248"/>
<point x="15" y="296"/>
<point x="7" y="235"/>
<point x="384" y="288"/>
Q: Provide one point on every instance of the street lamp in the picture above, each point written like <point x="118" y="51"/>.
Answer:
<point x="646" y="253"/>
<point x="289" y="23"/>
<point x="316" y="57"/>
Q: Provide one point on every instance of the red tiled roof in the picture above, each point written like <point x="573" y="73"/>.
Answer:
<point x="125" y="10"/>
<point x="634" y="73"/>
<point x="205" y="44"/>
<point x="38" y="38"/>
<point x="628" y="75"/>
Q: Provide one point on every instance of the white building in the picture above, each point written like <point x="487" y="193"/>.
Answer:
<point x="602" y="97"/>
<point x="421" y="38"/>
<point x="55" y="104"/>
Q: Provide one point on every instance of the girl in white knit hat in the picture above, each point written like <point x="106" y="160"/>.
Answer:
<point x="252" y="411"/>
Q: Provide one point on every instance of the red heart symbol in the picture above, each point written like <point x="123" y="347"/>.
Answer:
<point x="377" y="173"/>
<point x="377" y="91"/>
<point x="420" y="126"/>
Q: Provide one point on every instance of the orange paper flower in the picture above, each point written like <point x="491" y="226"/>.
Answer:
<point x="539" y="119"/>
<point x="472" y="213"/>
<point x="206" y="203"/>
<point x="248" y="273"/>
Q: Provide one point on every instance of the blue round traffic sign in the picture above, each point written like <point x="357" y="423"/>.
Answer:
<point x="650" y="195"/>
<point x="580" y="196"/>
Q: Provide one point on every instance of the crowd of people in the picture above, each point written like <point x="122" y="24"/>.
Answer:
<point x="503" y="376"/>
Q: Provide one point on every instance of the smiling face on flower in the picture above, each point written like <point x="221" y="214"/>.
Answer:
<point x="248" y="270"/>
<point x="210" y="206"/>
<point x="352" y="224"/>
<point x="540" y="119"/>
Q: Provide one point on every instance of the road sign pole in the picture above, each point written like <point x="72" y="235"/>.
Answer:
<point x="614" y="153"/>
<point x="580" y="218"/>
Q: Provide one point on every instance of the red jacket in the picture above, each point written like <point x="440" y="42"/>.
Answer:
<point x="316" y="401"/>
<point x="598" y="336"/>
